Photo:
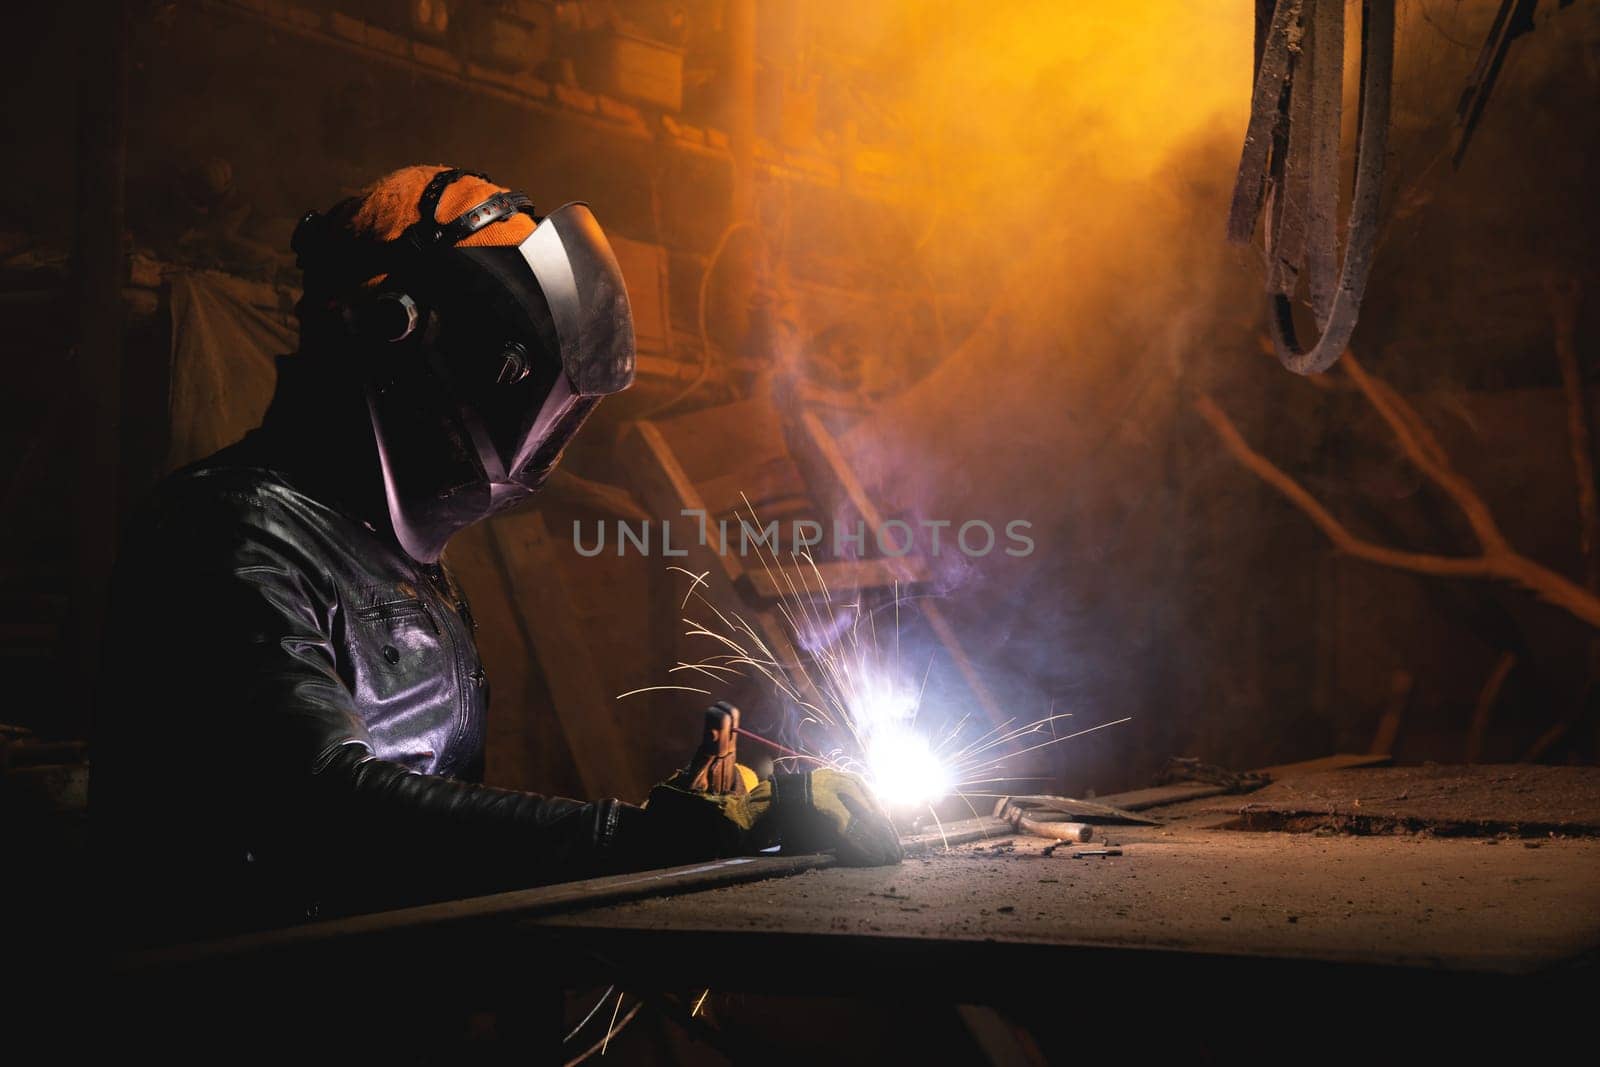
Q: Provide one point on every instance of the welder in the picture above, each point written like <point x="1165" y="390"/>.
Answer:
<point x="292" y="712"/>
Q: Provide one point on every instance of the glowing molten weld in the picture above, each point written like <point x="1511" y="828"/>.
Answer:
<point x="898" y="762"/>
<point x="903" y="770"/>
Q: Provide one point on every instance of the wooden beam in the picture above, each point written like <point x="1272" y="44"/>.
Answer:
<point x="958" y="655"/>
<point x="824" y="466"/>
<point x="840" y="576"/>
<point x="829" y="475"/>
<point x="668" y="491"/>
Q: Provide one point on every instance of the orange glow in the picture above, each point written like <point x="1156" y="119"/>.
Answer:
<point x="1118" y="83"/>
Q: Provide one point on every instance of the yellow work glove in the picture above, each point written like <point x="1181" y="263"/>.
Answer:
<point x="828" y="810"/>
<point x="809" y="811"/>
<point x="689" y="826"/>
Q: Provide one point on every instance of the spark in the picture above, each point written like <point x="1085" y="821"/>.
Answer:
<point x="659" y="688"/>
<point x="696" y="581"/>
<point x="845" y="685"/>
<point x="606" y="1041"/>
<point x="699" y="1004"/>
<point x="785" y="749"/>
<point x="592" y="1013"/>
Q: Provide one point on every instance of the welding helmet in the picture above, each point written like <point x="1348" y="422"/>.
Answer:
<point x="480" y="358"/>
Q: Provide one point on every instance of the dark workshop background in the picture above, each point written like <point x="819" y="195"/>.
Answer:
<point x="982" y="242"/>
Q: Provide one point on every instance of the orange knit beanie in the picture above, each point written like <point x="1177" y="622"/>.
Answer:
<point x="383" y="210"/>
<point x="387" y="206"/>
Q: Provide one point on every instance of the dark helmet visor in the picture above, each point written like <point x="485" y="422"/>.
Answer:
<point x="524" y="343"/>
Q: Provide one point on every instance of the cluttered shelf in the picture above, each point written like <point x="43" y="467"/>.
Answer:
<point x="873" y="173"/>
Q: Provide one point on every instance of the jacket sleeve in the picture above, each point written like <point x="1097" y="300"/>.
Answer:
<point x="258" y="725"/>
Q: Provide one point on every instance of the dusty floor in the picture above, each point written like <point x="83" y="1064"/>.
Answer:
<point x="1485" y="903"/>
<point x="1511" y="799"/>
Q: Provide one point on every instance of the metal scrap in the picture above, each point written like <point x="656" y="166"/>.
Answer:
<point x="1070" y="808"/>
<point x="1291" y="154"/>
<point x="1188" y="769"/>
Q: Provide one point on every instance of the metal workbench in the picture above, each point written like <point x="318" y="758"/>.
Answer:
<point x="1217" y="909"/>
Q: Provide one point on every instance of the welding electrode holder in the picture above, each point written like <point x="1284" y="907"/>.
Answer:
<point x="714" y="767"/>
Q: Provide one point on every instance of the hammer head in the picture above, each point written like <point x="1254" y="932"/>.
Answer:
<point x="714" y="766"/>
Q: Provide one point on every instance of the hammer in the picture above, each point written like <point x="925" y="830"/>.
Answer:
<point x="713" y="768"/>
<point x="1030" y="816"/>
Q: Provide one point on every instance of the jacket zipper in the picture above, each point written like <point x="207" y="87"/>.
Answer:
<point x="399" y="609"/>
<point x="460" y="665"/>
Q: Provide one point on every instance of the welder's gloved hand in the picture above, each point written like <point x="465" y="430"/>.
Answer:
<point x="822" y="810"/>
<point x="809" y="811"/>
<point x="687" y="825"/>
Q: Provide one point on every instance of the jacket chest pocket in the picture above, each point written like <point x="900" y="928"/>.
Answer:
<point x="406" y="678"/>
<point x="401" y="637"/>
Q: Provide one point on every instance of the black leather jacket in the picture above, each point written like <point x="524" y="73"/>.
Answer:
<point x="292" y="710"/>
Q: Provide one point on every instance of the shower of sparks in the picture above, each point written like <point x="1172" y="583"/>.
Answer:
<point x="851" y="688"/>
<point x="606" y="1041"/>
